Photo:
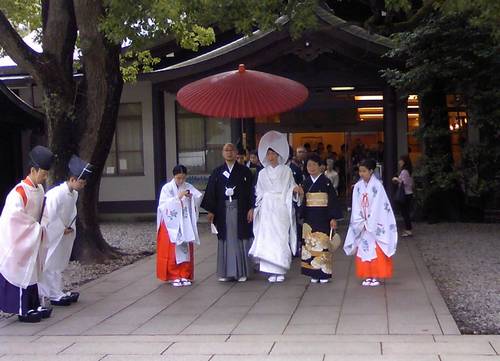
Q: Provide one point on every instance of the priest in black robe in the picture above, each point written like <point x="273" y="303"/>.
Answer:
<point x="229" y="200"/>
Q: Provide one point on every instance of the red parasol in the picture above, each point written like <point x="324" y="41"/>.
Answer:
<point x="242" y="94"/>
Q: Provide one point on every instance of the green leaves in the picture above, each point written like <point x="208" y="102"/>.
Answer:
<point x="134" y="62"/>
<point x="24" y="15"/>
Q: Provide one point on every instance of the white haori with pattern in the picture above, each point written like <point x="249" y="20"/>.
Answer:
<point x="180" y="217"/>
<point x="372" y="222"/>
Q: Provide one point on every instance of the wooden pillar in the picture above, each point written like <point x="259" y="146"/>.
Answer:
<point x="390" y="138"/>
<point x="236" y="132"/>
<point x="250" y="133"/>
<point x="402" y="124"/>
<point x="159" y="150"/>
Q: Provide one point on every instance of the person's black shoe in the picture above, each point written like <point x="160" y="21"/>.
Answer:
<point x="44" y="311"/>
<point x="63" y="301"/>
<point x="30" y="317"/>
<point x="73" y="296"/>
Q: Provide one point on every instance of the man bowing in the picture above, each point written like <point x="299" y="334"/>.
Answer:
<point x="21" y="235"/>
<point x="60" y="221"/>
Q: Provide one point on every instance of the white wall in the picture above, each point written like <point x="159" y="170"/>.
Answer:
<point x="135" y="188"/>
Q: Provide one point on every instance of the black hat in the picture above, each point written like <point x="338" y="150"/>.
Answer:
<point x="79" y="168"/>
<point x="41" y="157"/>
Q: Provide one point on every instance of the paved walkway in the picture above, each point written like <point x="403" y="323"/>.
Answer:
<point x="129" y="315"/>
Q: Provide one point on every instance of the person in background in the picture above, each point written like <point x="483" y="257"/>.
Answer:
<point x="320" y="150"/>
<point x="254" y="161"/>
<point x="405" y="178"/>
<point x="298" y="176"/>
<point x="322" y="166"/>
<point x="300" y="159"/>
<point x="254" y="165"/>
<point x="373" y="235"/>
<point x="332" y="174"/>
<point x="340" y="166"/>
<point x="241" y="157"/>
<point x="329" y="151"/>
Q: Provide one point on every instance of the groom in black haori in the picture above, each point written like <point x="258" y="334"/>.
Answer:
<point x="229" y="199"/>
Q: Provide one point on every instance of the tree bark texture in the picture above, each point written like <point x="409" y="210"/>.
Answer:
<point x="103" y="87"/>
<point x="80" y="112"/>
<point x="440" y="203"/>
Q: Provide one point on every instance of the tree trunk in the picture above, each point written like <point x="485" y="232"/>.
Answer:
<point x="100" y="101"/>
<point x="80" y="115"/>
<point x="434" y="111"/>
<point x="442" y="197"/>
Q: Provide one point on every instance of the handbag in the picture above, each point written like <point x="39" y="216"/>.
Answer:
<point x="400" y="195"/>
<point x="335" y="240"/>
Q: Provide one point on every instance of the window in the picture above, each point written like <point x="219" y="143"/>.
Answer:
<point x="126" y="154"/>
<point x="200" y="140"/>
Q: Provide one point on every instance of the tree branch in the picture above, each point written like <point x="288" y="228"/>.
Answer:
<point x="17" y="49"/>
<point x="59" y="33"/>
<point x="411" y="23"/>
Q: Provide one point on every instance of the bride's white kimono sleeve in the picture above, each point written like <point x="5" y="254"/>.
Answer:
<point x="372" y="222"/>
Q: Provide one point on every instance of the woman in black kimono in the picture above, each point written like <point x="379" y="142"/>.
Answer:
<point x="320" y="211"/>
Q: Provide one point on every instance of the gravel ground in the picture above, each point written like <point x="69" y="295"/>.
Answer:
<point x="136" y="240"/>
<point x="464" y="260"/>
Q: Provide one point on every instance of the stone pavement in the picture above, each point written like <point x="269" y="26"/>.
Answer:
<point x="129" y="315"/>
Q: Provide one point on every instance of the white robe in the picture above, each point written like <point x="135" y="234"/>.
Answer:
<point x="180" y="217"/>
<point x="59" y="214"/>
<point x="372" y="222"/>
<point x="21" y="236"/>
<point x="274" y="220"/>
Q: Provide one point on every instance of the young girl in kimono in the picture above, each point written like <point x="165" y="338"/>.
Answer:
<point x="320" y="211"/>
<point x="372" y="236"/>
<point x="177" y="231"/>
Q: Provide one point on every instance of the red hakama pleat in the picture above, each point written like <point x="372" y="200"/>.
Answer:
<point x="380" y="267"/>
<point x="166" y="267"/>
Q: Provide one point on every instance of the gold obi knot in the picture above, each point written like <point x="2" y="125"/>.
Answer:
<point x="318" y="199"/>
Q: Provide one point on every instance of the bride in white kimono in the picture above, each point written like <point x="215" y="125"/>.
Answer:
<point x="274" y="215"/>
<point x="177" y="230"/>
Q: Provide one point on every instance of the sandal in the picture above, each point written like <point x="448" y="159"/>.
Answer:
<point x="366" y="282"/>
<point x="177" y="283"/>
